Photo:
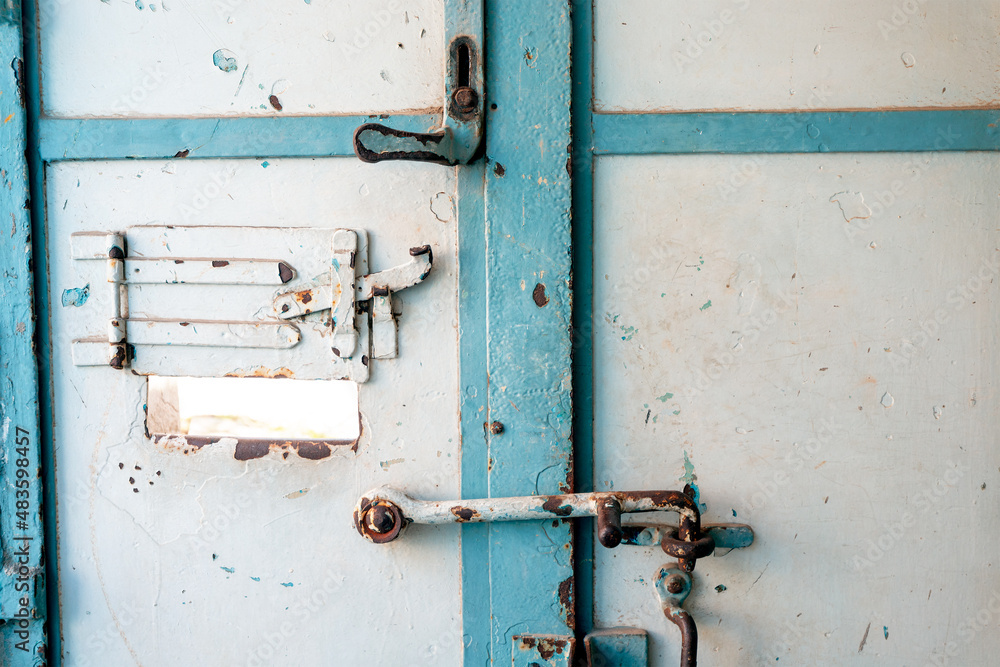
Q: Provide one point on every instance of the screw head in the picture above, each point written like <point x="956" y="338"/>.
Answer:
<point x="380" y="519"/>
<point x="466" y="99"/>
<point x="675" y="584"/>
<point x="496" y="428"/>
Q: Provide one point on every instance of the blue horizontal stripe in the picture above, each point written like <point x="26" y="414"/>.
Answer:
<point x="805" y="132"/>
<point x="294" y="136"/>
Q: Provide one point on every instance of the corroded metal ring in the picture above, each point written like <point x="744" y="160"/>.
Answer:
<point x="674" y="546"/>
<point x="378" y="521"/>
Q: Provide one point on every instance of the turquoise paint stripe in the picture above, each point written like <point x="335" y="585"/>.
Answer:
<point x="806" y="132"/>
<point x="528" y="195"/>
<point x="292" y="136"/>
<point x="583" y="302"/>
<point x="43" y="340"/>
<point x="22" y="581"/>
<point x="474" y="387"/>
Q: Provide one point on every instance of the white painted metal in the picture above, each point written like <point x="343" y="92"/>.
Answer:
<point x="811" y="340"/>
<point x="779" y="54"/>
<point x="229" y="57"/>
<point x="166" y="558"/>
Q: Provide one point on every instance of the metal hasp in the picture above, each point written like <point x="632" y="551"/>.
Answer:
<point x="457" y="139"/>
<point x="343" y="293"/>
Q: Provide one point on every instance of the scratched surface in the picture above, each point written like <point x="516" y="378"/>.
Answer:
<point x="256" y="562"/>
<point x="810" y="340"/>
<point x="653" y="55"/>
<point x="233" y="57"/>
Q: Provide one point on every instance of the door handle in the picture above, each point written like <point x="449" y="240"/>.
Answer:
<point x="457" y="139"/>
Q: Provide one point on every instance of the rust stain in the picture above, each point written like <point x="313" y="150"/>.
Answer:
<point x="539" y="296"/>
<point x="557" y="505"/>
<point x="275" y="102"/>
<point x="464" y="514"/>
<point x="261" y="372"/>
<point x="219" y="263"/>
<point x="183" y="153"/>
<point x="499" y="170"/>
<point x="566" y="589"/>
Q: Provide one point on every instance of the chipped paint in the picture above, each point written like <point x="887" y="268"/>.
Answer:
<point x="76" y="296"/>
<point x="225" y="60"/>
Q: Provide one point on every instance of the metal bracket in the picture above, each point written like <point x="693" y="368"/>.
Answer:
<point x="457" y="140"/>
<point x="673" y="585"/>
<point x="341" y="291"/>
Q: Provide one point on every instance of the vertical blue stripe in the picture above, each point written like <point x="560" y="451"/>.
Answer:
<point x="22" y="580"/>
<point x="473" y="386"/>
<point x="528" y="198"/>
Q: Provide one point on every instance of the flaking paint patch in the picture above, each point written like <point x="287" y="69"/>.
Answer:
<point x="225" y="60"/>
<point x="76" y="296"/>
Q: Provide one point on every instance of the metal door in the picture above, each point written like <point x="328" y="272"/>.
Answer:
<point x="780" y="277"/>
<point x="793" y="245"/>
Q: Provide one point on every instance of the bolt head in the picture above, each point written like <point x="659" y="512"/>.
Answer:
<point x="496" y="428"/>
<point x="675" y="584"/>
<point x="466" y="99"/>
<point x="380" y="519"/>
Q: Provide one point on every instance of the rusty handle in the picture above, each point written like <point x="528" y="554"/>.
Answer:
<point x="689" y="635"/>
<point x="381" y="514"/>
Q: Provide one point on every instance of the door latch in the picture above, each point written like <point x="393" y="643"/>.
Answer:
<point x="342" y="292"/>
<point x="381" y="515"/>
<point x="457" y="139"/>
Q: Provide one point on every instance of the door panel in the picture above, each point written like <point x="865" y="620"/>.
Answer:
<point x="236" y="58"/>
<point x="772" y="54"/>
<point x="255" y="561"/>
<point x="813" y="348"/>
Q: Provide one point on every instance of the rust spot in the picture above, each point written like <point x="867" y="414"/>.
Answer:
<point x="496" y="428"/>
<point x="499" y="170"/>
<point x="275" y="102"/>
<point x="557" y="505"/>
<point x="114" y="252"/>
<point x="566" y="589"/>
<point x="304" y="297"/>
<point x="539" y="297"/>
<point x="250" y="449"/>
<point x="118" y="361"/>
<point x="464" y="514"/>
<point x="314" y="451"/>
<point x="336" y="352"/>
<point x="285" y="272"/>
<point x="178" y="261"/>
<point x="421" y="250"/>
<point x="185" y="324"/>
<point x="183" y="153"/>
<point x="219" y="263"/>
<point x="285" y="308"/>
<point x="364" y="359"/>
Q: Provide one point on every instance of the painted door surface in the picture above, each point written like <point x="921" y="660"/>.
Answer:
<point x="171" y="550"/>
<point x="794" y="310"/>
<point x="194" y="163"/>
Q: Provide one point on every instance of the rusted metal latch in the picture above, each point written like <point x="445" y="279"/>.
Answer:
<point x="381" y="515"/>
<point x="461" y="131"/>
<point x="343" y="293"/>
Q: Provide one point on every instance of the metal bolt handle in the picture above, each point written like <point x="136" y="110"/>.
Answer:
<point x="382" y="513"/>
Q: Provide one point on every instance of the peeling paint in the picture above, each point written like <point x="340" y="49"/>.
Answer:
<point x="76" y="296"/>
